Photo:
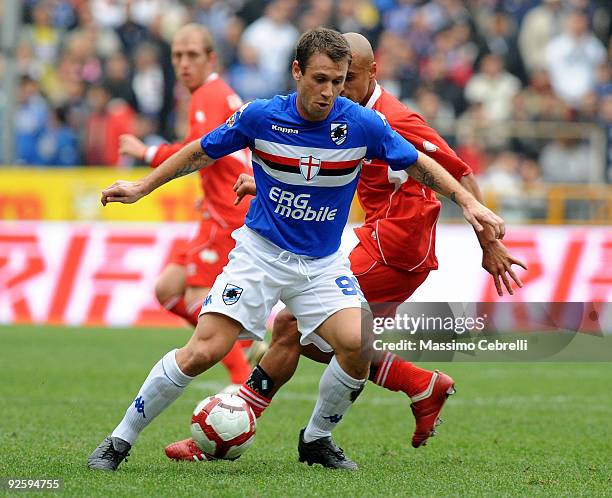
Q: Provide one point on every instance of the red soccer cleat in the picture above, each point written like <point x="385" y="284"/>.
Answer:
<point x="427" y="405"/>
<point x="186" y="449"/>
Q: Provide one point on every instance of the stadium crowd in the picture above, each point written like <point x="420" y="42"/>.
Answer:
<point x="91" y="70"/>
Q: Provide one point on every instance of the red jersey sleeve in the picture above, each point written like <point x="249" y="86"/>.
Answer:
<point x="413" y="128"/>
<point x="210" y="106"/>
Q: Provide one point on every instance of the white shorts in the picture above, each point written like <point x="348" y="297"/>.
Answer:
<point x="259" y="274"/>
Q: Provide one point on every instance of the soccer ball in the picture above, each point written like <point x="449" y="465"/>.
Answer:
<point x="223" y="426"/>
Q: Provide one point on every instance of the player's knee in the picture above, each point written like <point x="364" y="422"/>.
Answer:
<point x="352" y="358"/>
<point x="202" y="355"/>
<point x="164" y="292"/>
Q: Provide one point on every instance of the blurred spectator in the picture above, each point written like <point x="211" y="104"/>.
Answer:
<point x="435" y="73"/>
<point x="573" y="58"/>
<point x="537" y="101"/>
<point x="30" y="121"/>
<point x="605" y="121"/>
<point x="248" y="79"/>
<point x="164" y="57"/>
<point x="107" y="121"/>
<point x="357" y="16"/>
<point x="503" y="175"/>
<point x="27" y="64"/>
<point x="603" y="79"/>
<point x="44" y="38"/>
<point x="75" y="104"/>
<point x="227" y="48"/>
<point x="143" y="12"/>
<point x="431" y="107"/>
<point x="531" y="173"/>
<point x="131" y="33"/>
<point x="148" y="81"/>
<point x="539" y="26"/>
<point x="499" y="37"/>
<point x="117" y="78"/>
<point x="568" y="160"/>
<point x="58" y="145"/>
<point x="81" y="49"/>
<point x="319" y="13"/>
<point x="397" y="66"/>
<point x="214" y="15"/>
<point x="274" y="37"/>
<point x="109" y="13"/>
<point x="494" y="87"/>
<point x="104" y="38"/>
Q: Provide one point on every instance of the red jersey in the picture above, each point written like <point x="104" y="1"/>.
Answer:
<point x="400" y="213"/>
<point x="210" y="106"/>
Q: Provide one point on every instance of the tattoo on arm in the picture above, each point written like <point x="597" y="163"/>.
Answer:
<point x="425" y="177"/>
<point x="196" y="161"/>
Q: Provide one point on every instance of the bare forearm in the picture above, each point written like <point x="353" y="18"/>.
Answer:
<point x="429" y="173"/>
<point x="471" y="185"/>
<point x="187" y="160"/>
<point x="487" y="236"/>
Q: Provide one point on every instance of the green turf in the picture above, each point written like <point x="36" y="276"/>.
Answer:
<point x="511" y="430"/>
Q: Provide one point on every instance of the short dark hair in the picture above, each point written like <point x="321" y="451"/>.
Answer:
<point x="324" y="41"/>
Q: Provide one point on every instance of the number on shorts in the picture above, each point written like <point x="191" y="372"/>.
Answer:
<point x="347" y="285"/>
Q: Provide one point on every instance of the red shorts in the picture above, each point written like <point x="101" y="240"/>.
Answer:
<point x="206" y="254"/>
<point x="381" y="283"/>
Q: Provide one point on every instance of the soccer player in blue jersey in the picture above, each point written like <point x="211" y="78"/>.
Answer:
<point x="307" y="149"/>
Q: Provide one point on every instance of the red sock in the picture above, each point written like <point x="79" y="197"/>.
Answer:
<point x="236" y="364"/>
<point x="246" y="343"/>
<point x="397" y="374"/>
<point x="178" y="306"/>
<point x="256" y="401"/>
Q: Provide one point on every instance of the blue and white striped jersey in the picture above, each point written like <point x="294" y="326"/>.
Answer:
<point x="306" y="172"/>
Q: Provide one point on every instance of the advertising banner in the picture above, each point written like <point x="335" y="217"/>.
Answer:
<point x="104" y="273"/>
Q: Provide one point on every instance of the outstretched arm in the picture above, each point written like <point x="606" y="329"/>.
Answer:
<point x="187" y="160"/>
<point x="428" y="172"/>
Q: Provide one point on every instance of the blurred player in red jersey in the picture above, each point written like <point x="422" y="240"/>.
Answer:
<point x="185" y="282"/>
<point x="394" y="255"/>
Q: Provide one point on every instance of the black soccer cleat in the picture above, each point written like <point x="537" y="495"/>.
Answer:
<point x="109" y="454"/>
<point x="324" y="452"/>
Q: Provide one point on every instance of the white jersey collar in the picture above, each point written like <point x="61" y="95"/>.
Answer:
<point x="375" y="96"/>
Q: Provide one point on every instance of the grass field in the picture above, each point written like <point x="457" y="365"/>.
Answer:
<point x="511" y="430"/>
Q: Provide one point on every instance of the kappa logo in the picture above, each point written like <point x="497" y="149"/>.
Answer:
<point x="338" y="133"/>
<point x="309" y="167"/>
<point x="284" y="129"/>
<point x="334" y="419"/>
<point x="231" y="294"/>
<point x="139" y="404"/>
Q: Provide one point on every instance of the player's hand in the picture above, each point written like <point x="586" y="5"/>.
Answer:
<point x="245" y="185"/>
<point x="129" y="145"/>
<point x="124" y="192"/>
<point x="498" y="262"/>
<point x="478" y="215"/>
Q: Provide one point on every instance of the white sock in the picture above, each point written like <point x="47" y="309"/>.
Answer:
<point x="336" y="390"/>
<point x="163" y="385"/>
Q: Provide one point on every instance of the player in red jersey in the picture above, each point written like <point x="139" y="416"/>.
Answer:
<point x="394" y="255"/>
<point x="186" y="280"/>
